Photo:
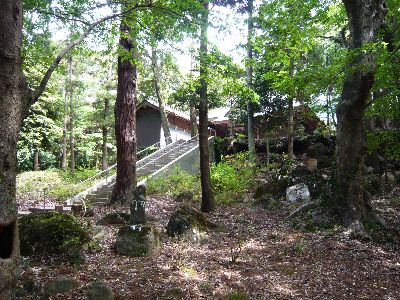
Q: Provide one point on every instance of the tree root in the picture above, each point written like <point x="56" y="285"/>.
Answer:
<point x="305" y="207"/>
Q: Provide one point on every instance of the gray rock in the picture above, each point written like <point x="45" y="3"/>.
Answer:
<point x="187" y="221"/>
<point x="298" y="193"/>
<point x="98" y="290"/>
<point x="114" y="219"/>
<point x="137" y="240"/>
<point x="184" y="197"/>
<point x="388" y="178"/>
<point x="317" y="150"/>
<point x="61" y="285"/>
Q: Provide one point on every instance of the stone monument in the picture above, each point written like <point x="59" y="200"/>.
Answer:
<point x="139" y="238"/>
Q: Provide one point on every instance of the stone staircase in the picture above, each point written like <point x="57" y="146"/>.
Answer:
<point x="144" y="168"/>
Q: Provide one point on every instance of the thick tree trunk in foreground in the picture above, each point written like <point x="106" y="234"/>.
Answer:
<point x="365" y="18"/>
<point x="207" y="199"/>
<point x="125" y="120"/>
<point x="12" y="108"/>
<point x="249" y="78"/>
<point x="104" y="129"/>
<point x="157" y="89"/>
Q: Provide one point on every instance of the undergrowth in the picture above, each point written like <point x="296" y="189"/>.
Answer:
<point x="52" y="183"/>
<point x="230" y="179"/>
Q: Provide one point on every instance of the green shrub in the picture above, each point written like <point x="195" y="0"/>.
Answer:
<point x="52" y="233"/>
<point x="173" y="184"/>
<point x="59" y="185"/>
<point x="386" y="142"/>
<point x="231" y="178"/>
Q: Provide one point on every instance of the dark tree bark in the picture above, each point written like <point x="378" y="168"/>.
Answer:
<point x="65" y="127"/>
<point x="351" y="204"/>
<point x="156" y="76"/>
<point x="71" y="119"/>
<point x="36" y="160"/>
<point x="290" y="128"/>
<point x="104" y="129"/>
<point x="12" y="108"/>
<point x="125" y="119"/>
<point x="249" y="78"/>
<point x="207" y="203"/>
<point x="290" y="136"/>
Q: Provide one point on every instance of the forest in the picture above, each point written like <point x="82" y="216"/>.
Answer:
<point x="199" y="149"/>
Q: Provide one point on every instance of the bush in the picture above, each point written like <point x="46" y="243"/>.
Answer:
<point x="177" y="182"/>
<point x="52" y="233"/>
<point x="59" y="185"/>
<point x="232" y="177"/>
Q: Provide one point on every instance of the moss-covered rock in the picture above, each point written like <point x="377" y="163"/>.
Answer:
<point x="52" y="233"/>
<point x="61" y="285"/>
<point x="137" y="240"/>
<point x="114" y="219"/>
<point x="98" y="290"/>
<point x="188" y="221"/>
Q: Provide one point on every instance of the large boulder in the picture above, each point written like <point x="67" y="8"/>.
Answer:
<point x="98" y="290"/>
<point x="298" y="193"/>
<point x="137" y="240"/>
<point x="61" y="285"/>
<point x="187" y="221"/>
<point x="317" y="150"/>
<point x="274" y="187"/>
<point x="186" y="196"/>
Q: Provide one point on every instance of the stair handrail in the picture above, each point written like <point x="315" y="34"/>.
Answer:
<point x="106" y="171"/>
<point x="170" y="150"/>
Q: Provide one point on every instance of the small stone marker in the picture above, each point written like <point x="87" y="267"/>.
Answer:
<point x="138" y="205"/>
<point x="139" y="238"/>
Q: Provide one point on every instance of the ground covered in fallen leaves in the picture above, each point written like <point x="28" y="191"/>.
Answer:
<point x="259" y="256"/>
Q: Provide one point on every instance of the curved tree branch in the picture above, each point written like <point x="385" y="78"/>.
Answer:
<point x="42" y="86"/>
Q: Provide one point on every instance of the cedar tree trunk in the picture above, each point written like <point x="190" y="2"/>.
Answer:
<point x="71" y="119"/>
<point x="104" y="129"/>
<point x="249" y="78"/>
<point x="351" y="204"/>
<point x="65" y="124"/>
<point x="207" y="203"/>
<point x="125" y="119"/>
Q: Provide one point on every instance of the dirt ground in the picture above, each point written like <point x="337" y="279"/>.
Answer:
<point x="259" y="257"/>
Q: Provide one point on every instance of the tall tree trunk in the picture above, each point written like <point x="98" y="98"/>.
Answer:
<point x="71" y="119"/>
<point x="249" y="78"/>
<point x="65" y="124"/>
<point x="351" y="204"/>
<point x="193" y="120"/>
<point x="290" y="117"/>
<point x="12" y="107"/>
<point x="104" y="129"/>
<point x="156" y="76"/>
<point x="290" y="128"/>
<point x="36" y="160"/>
<point x="207" y="203"/>
<point x="125" y="118"/>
